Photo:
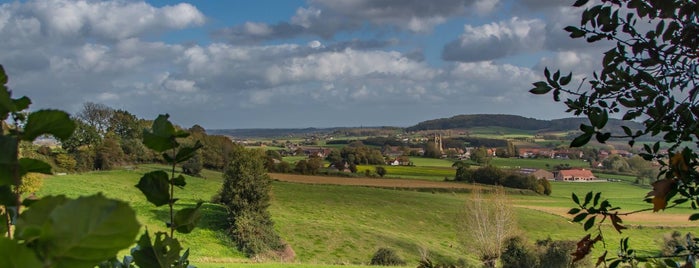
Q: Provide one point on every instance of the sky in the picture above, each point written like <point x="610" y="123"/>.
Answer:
<point x="291" y="63"/>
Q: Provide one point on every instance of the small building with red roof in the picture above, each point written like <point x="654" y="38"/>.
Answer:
<point x="575" y="175"/>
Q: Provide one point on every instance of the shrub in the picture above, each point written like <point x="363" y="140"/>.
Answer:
<point x="386" y="257"/>
<point x="517" y="254"/>
<point x="254" y="233"/>
<point x="556" y="254"/>
<point x="66" y="162"/>
<point x="193" y="166"/>
<point x="31" y="182"/>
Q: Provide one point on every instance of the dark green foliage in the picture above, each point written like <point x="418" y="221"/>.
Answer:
<point x="494" y="176"/>
<point x="109" y="154"/>
<point x="358" y="154"/>
<point x="245" y="193"/>
<point x="557" y="254"/>
<point x="381" y="171"/>
<point x="432" y="150"/>
<point x="649" y="74"/>
<point x="481" y="156"/>
<point x="518" y="253"/>
<point x="254" y="233"/>
<point x="386" y="257"/>
<point x="193" y="166"/>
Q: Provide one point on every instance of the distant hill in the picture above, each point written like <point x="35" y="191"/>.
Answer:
<point x="515" y="122"/>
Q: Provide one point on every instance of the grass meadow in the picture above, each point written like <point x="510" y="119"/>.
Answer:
<point x="330" y="225"/>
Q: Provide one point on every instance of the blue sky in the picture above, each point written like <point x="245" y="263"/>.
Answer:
<point x="279" y="64"/>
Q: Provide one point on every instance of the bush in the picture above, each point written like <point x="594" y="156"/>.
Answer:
<point x="386" y="257"/>
<point x="193" y="166"/>
<point x="556" y="254"/>
<point x="517" y="254"/>
<point x="66" y="162"/>
<point x="31" y="182"/>
<point x="254" y="233"/>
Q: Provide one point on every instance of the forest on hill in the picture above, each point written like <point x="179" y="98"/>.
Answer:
<point x="515" y="122"/>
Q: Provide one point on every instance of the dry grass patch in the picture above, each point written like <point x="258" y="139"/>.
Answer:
<point x="372" y="182"/>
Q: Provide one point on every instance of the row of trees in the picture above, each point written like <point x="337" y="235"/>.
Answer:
<point x="492" y="175"/>
<point x="105" y="138"/>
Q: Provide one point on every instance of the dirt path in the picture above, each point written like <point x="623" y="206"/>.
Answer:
<point x="374" y="182"/>
<point x="645" y="218"/>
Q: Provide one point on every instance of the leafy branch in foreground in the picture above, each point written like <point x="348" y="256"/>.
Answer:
<point x="49" y="233"/>
<point x="159" y="189"/>
<point x="649" y="74"/>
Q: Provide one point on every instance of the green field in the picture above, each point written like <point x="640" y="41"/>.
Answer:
<point x="430" y="162"/>
<point x="329" y="225"/>
<point x="542" y="163"/>
<point x="413" y="172"/>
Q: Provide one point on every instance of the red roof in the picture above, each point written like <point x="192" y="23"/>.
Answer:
<point x="577" y="173"/>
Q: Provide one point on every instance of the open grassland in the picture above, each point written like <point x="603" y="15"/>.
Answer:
<point x="543" y="163"/>
<point x="341" y="224"/>
<point x="374" y="182"/>
<point x="499" y="132"/>
<point x="430" y="162"/>
<point x="413" y="172"/>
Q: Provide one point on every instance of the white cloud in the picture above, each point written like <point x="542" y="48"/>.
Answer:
<point x="495" y="40"/>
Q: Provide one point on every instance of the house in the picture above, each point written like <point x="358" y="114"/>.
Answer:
<point x="575" y="175"/>
<point x="319" y="152"/>
<point x="537" y="173"/>
<point x="534" y="152"/>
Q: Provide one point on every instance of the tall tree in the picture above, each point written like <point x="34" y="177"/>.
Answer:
<point x="650" y="74"/>
<point x="245" y="193"/>
<point x="96" y="115"/>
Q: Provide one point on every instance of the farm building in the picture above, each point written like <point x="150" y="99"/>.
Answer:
<point x="537" y="173"/>
<point x="575" y="175"/>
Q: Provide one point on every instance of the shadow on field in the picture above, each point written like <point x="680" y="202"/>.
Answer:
<point x="213" y="216"/>
<point x="413" y="249"/>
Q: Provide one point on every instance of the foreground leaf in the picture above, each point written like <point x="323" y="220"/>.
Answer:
<point x="163" y="252"/>
<point x="30" y="224"/>
<point x="13" y="255"/>
<point x="54" y="122"/>
<point x="8" y="158"/>
<point x="98" y="232"/>
<point x="660" y="190"/>
<point x="156" y="186"/>
<point x="187" y="218"/>
<point x="162" y="135"/>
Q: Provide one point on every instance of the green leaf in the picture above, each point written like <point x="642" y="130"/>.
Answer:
<point x="575" y="198"/>
<point x="185" y="153"/>
<point x="34" y="218"/>
<point x="163" y="252"/>
<point x="671" y="263"/>
<point x="573" y="211"/>
<point x="694" y="217"/>
<point x="575" y="32"/>
<point x="580" y="217"/>
<point x="187" y="218"/>
<point x="8" y="159"/>
<point x="580" y="3"/>
<point x="156" y="187"/>
<point x="27" y="165"/>
<point x="540" y="88"/>
<point x="179" y="181"/>
<point x="566" y="79"/>
<point x="7" y="196"/>
<point x="162" y="136"/>
<point x="581" y="140"/>
<point x="22" y="103"/>
<point x="3" y="76"/>
<point x="98" y="232"/>
<point x="54" y="122"/>
<point x="13" y="255"/>
<point x="589" y="223"/>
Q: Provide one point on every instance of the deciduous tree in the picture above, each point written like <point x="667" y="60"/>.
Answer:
<point x="649" y="74"/>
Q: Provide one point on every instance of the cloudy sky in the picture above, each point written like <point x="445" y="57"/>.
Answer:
<point x="274" y="64"/>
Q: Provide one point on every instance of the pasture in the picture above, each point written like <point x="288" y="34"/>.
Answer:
<point x="342" y="224"/>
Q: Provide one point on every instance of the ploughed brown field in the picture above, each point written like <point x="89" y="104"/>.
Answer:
<point x="372" y="182"/>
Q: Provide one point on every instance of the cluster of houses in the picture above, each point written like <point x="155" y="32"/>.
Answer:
<point x="572" y="175"/>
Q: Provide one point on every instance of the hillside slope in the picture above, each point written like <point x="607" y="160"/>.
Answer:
<point x="515" y="122"/>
